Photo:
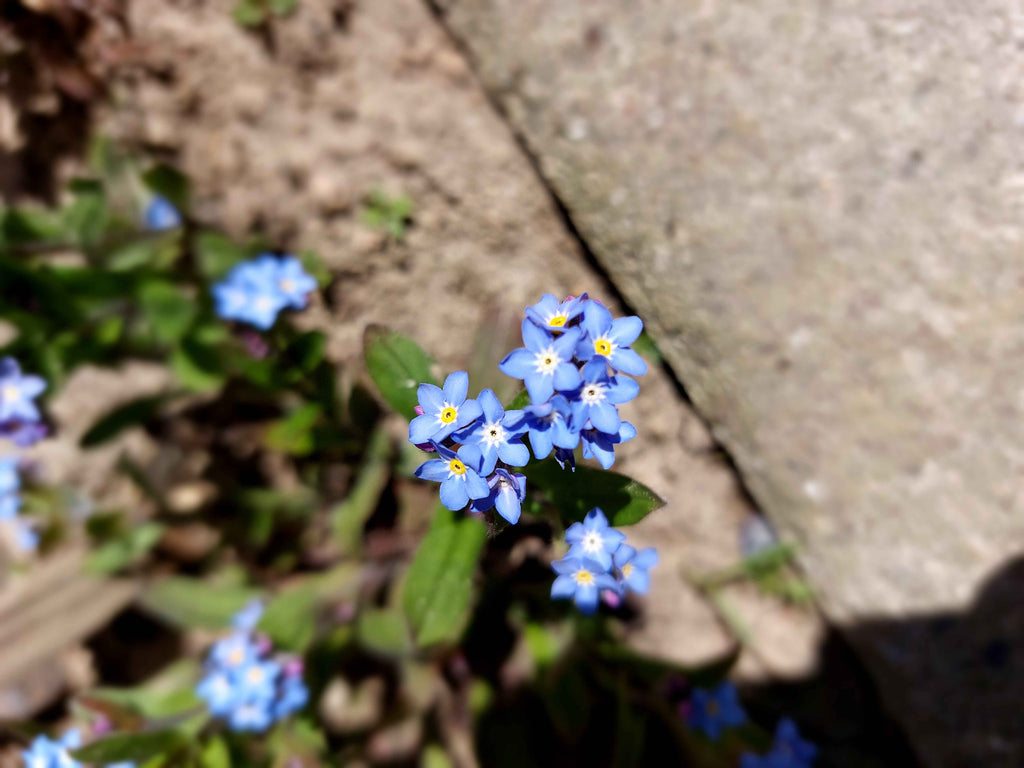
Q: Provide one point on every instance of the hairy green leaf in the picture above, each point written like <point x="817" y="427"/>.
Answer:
<point x="397" y="366"/>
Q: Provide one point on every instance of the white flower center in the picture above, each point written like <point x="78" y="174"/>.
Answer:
<point x="493" y="434"/>
<point x="287" y="285"/>
<point x="11" y="393"/>
<point x="592" y="542"/>
<point x="264" y="303"/>
<point x="546" y="361"/>
<point x="592" y="393"/>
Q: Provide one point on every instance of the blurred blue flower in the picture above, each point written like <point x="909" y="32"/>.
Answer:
<point x="293" y="281"/>
<point x="10" y="503"/>
<point x="594" y="539"/>
<point x="496" y="434"/>
<point x="789" y="749"/>
<point x="18" y="392"/>
<point x="444" y="410"/>
<point x="551" y="315"/>
<point x="250" y="293"/>
<point x="633" y="568"/>
<point x="160" y="214"/>
<point x="44" y="752"/>
<point x="24" y="434"/>
<point x="714" y="710"/>
<point x="247" y="618"/>
<point x="545" y="363"/>
<point x="610" y="339"/>
<point x="458" y="473"/>
<point x="10" y="479"/>
<point x="582" y="580"/>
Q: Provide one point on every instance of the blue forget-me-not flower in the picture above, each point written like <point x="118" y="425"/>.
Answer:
<point x="715" y="710"/>
<point x="610" y="339"/>
<point x="160" y="214"/>
<point x="458" y="473"/>
<point x="545" y="364"/>
<point x="581" y="579"/>
<point x="496" y="434"/>
<point x="594" y="539"/>
<point x="444" y="409"/>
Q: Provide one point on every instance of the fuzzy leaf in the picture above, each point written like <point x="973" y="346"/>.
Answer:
<point x="623" y="500"/>
<point x="397" y="366"/>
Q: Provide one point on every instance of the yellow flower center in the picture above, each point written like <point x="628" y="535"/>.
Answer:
<point x="583" y="577"/>
<point x="603" y="347"/>
<point x="255" y="675"/>
<point x="557" y="321"/>
<point x="236" y="657"/>
<point x="448" y="415"/>
<point x="626" y="570"/>
<point x="287" y="285"/>
<point x="456" y="467"/>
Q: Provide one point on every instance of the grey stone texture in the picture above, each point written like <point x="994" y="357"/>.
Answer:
<point x="817" y="207"/>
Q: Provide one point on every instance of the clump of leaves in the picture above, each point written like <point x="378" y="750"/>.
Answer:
<point x="391" y="214"/>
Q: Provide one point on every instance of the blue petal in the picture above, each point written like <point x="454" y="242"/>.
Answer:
<point x="623" y="555"/>
<point x="469" y="412"/>
<point x="639" y="581"/>
<point x="567" y="377"/>
<point x="32" y="386"/>
<point x="625" y="330"/>
<point x="515" y="454"/>
<point x="646" y="558"/>
<point x="540" y="387"/>
<point x="567" y="565"/>
<point x="514" y="422"/>
<point x="488" y="459"/>
<point x="534" y="338"/>
<point x="596" y="519"/>
<point x="596" y="319"/>
<point x="476" y="486"/>
<point x="563" y="436"/>
<point x="540" y="439"/>
<point x="626" y="432"/>
<point x="518" y="363"/>
<point x="431" y="398"/>
<point x="623" y="390"/>
<point x="456" y="386"/>
<point x="606" y="581"/>
<point x="563" y="587"/>
<point x="575" y="533"/>
<point x="628" y="361"/>
<point x="586" y="599"/>
<point x="508" y="506"/>
<point x="605" y="417"/>
<point x="491" y="405"/>
<point x="453" y="494"/>
<point x="565" y="345"/>
<point x="585" y="348"/>
<point x="471" y="456"/>
<point x="434" y="469"/>
<point x="421" y="429"/>
<point x="595" y="370"/>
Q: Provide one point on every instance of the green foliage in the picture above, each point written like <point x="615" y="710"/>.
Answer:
<point x="391" y="214"/>
<point x="397" y="366"/>
<point x="384" y="631"/>
<point x="438" y="591"/>
<point x="255" y="13"/>
<point x="133" y="413"/>
<point x="134" y="747"/>
<point x="170" y="183"/>
<point x="190" y="602"/>
<point x="125" y="550"/>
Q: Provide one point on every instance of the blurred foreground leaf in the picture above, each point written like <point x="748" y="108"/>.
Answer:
<point x="125" y="550"/>
<point x="191" y="602"/>
<point x="169" y="183"/>
<point x="438" y="588"/>
<point x="384" y="631"/>
<point x="348" y="518"/>
<point x="397" y="366"/>
<point x="125" y="416"/>
<point x="132" y="747"/>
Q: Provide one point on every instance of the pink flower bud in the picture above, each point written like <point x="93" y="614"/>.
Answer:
<point x="419" y="410"/>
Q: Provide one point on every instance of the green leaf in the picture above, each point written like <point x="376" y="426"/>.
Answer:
<point x="196" y="602"/>
<point x="437" y="593"/>
<point x="384" y="631"/>
<point x="20" y="226"/>
<point x="316" y="267"/>
<point x="87" y="216"/>
<point x="623" y="500"/>
<point x="131" y="747"/>
<point x="134" y="413"/>
<point x="290" y="619"/>
<point x="215" y="754"/>
<point x="169" y="183"/>
<point x="307" y="351"/>
<point x="397" y="366"/>
<point x="124" y="551"/>
<point x="154" y="252"/>
<point x="169" y="311"/>
<point x="435" y="757"/>
<point x="293" y="434"/>
<point x="348" y="518"/>
<point x="217" y="254"/>
<point x="197" y="367"/>
<point x="249" y="13"/>
<point x="283" y="7"/>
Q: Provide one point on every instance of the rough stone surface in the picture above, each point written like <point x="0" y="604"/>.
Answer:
<point x="817" y="206"/>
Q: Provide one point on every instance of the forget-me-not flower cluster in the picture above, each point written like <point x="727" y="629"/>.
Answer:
<point x="571" y="362"/>
<point x="599" y="560"/>
<point x="715" y="710"/>
<point x="257" y="290"/>
<point x="244" y="685"/>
